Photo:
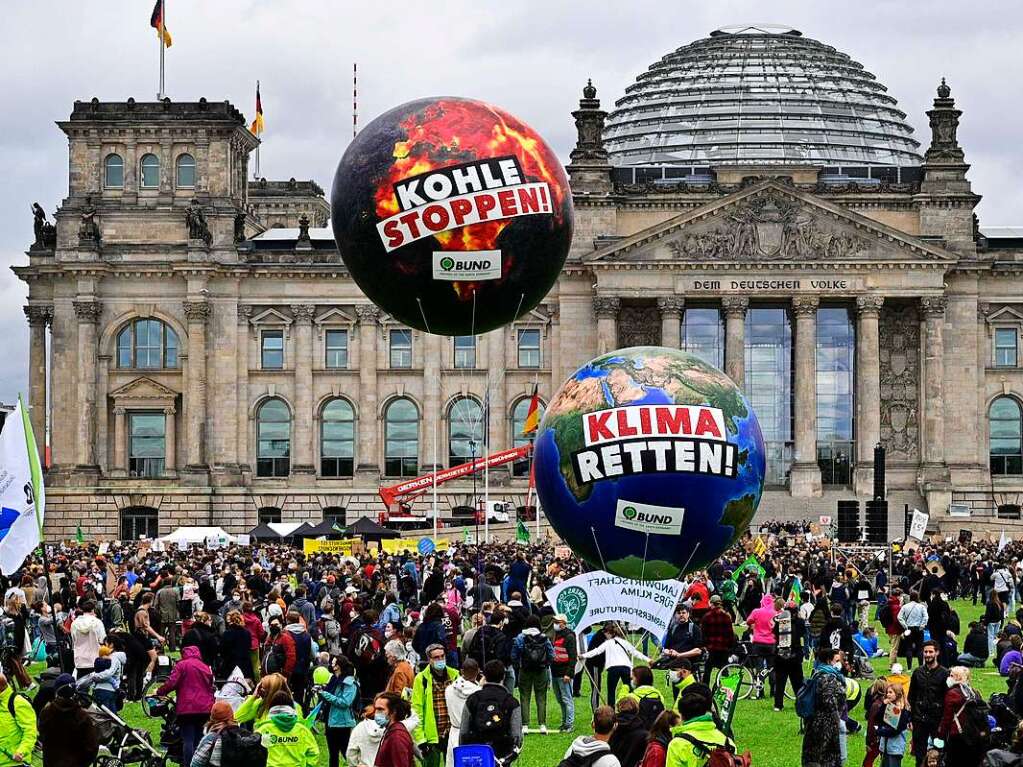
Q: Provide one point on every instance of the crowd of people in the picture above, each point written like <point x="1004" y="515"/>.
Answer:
<point x="399" y="659"/>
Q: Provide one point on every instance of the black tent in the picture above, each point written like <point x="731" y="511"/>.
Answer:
<point x="263" y="532"/>
<point x="369" y="530"/>
<point x="324" y="528"/>
<point x="302" y="531"/>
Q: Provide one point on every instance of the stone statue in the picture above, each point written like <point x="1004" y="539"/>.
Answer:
<point x="198" y="229"/>
<point x="45" y="232"/>
<point x="239" y="227"/>
<point x="303" y="228"/>
<point x="88" y="230"/>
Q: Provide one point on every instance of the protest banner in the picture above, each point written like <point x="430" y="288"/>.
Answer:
<point x="345" y="547"/>
<point x="918" y="525"/>
<point x="599" y="597"/>
<point x="398" y="545"/>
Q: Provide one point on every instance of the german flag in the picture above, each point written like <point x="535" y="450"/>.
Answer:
<point x="257" y="124"/>
<point x="532" y="421"/>
<point x="156" y="22"/>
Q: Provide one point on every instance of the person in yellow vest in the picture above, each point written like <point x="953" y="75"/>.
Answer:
<point x="18" y="728"/>
<point x="698" y="734"/>
<point x="681" y="678"/>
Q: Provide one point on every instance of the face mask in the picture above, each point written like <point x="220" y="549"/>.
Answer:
<point x="388" y="633"/>
<point x="675" y="677"/>
<point x="950" y="682"/>
<point x="380" y="719"/>
<point x="837" y="664"/>
<point x="439" y="665"/>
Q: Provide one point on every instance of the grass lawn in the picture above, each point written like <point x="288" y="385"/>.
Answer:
<point x="772" y="737"/>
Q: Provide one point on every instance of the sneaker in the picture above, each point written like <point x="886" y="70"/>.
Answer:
<point x="776" y="708"/>
<point x="525" y="730"/>
<point x="543" y="729"/>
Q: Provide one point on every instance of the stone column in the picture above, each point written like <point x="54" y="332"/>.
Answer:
<point x="242" y="362"/>
<point x="671" y="320"/>
<point x="868" y="391"/>
<point x="433" y="431"/>
<point x="933" y="309"/>
<point x="496" y="365"/>
<point x="369" y="422"/>
<point x="197" y="314"/>
<point x="120" y="467"/>
<point x="87" y="312"/>
<point x="735" y="338"/>
<point x="606" y="308"/>
<point x="806" y="474"/>
<point x="170" y="437"/>
<point x="303" y="453"/>
<point x="38" y="318"/>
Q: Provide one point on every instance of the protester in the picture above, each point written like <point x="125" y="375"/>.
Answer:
<point x="718" y="635"/>
<point x="209" y="752"/>
<point x="658" y="740"/>
<point x="192" y="683"/>
<point x="342" y="698"/>
<point x="87" y="634"/>
<point x="960" y="744"/>
<point x="628" y="741"/>
<point x="396" y="748"/>
<point x="618" y="656"/>
<point x="430" y="706"/>
<point x="926" y="697"/>
<point x="287" y="740"/>
<point x="492" y="716"/>
<point x="566" y="653"/>
<point x="18" y="729"/>
<point x="593" y="750"/>
<point x="455" y="697"/>
<point x="67" y="732"/>
<point x="697" y="734"/>
<point x="822" y="736"/>
<point x="892" y="735"/>
<point x="532" y="654"/>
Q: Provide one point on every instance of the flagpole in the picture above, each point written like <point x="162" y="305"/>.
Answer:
<point x="163" y="26"/>
<point x="255" y="175"/>
<point x="435" y="426"/>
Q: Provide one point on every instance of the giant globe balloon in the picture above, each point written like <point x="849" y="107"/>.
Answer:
<point x="452" y="215"/>
<point x="649" y="462"/>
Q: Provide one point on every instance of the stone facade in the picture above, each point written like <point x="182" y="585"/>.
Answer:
<point x="200" y="259"/>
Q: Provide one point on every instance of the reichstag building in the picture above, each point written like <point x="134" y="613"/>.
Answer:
<point x="199" y="354"/>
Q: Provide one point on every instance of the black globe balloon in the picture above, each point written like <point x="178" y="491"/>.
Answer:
<point x="452" y="215"/>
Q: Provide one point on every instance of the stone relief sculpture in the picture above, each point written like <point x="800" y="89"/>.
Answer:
<point x="899" y="329"/>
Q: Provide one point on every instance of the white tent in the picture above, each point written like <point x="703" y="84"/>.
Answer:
<point x="198" y="535"/>
<point x="284" y="529"/>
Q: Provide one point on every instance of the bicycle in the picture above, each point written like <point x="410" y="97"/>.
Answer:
<point x="752" y="678"/>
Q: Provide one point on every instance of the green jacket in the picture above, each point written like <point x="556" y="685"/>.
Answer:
<point x="17" y="733"/>
<point x="643" y="691"/>
<point x="681" y="752"/>
<point x="691" y="679"/>
<point x="422" y="705"/>
<point x="288" y="742"/>
<point x="249" y="709"/>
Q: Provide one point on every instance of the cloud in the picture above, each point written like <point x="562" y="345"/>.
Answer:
<point x="530" y="57"/>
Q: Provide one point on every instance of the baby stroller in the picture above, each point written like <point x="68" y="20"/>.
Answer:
<point x="120" y="744"/>
<point x="170" y="732"/>
<point x="1005" y="718"/>
<point x="859" y="665"/>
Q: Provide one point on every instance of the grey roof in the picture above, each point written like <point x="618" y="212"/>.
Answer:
<point x="758" y="94"/>
<point x="283" y="233"/>
<point x="992" y="232"/>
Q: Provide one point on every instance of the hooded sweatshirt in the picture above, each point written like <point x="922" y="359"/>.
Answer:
<point x="455" y="694"/>
<point x="365" y="740"/>
<point x="109" y="680"/>
<point x="287" y="741"/>
<point x="192" y="681"/>
<point x="761" y="621"/>
<point x="87" y="633"/>
<point x="586" y="747"/>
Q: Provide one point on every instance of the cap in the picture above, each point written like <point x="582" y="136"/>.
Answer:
<point x="716" y="599"/>
<point x="350" y="590"/>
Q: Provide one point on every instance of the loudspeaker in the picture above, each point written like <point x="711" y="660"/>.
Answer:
<point x="848" y="521"/>
<point x="877" y="521"/>
<point x="879" y="471"/>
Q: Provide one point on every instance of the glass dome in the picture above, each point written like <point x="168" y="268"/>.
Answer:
<point x="755" y="95"/>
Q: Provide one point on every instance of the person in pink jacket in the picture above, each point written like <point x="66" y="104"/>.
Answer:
<point x="761" y="624"/>
<point x="192" y="683"/>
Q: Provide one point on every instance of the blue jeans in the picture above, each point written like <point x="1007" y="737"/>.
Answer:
<point x="563" y="693"/>
<point x="992" y="633"/>
<point x="971" y="660"/>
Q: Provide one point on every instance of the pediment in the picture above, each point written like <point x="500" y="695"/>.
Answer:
<point x="1006" y="315"/>
<point x="144" y="389"/>
<point x="335" y="316"/>
<point x="271" y="317"/>
<point x="774" y="223"/>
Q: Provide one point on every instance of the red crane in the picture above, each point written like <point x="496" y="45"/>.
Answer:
<point x="403" y="493"/>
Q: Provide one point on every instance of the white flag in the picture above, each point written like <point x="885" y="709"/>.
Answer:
<point x="1002" y="542"/>
<point x="21" y="491"/>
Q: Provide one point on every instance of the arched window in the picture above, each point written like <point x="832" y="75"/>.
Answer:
<point x="147" y="343"/>
<point x="465" y="431"/>
<point x="150" y="171"/>
<point x="113" y="171"/>
<point x="1006" y="429"/>
<point x="521" y="468"/>
<point x="139" y="522"/>
<point x="337" y="439"/>
<point x="335" y="515"/>
<point x="401" y="439"/>
<point x="273" y="438"/>
<point x="185" y="172"/>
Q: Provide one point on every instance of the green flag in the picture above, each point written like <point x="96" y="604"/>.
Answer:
<point x="522" y="533"/>
<point x="796" y="595"/>
<point x="751" y="563"/>
<point x="465" y="536"/>
<point x="78" y="535"/>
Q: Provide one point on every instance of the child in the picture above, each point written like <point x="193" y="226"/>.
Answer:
<point x="891" y="727"/>
<point x="342" y="695"/>
<point x="106" y="678"/>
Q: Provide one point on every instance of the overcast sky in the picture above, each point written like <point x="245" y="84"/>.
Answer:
<point x="530" y="57"/>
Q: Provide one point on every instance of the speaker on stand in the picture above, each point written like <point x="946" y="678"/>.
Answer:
<point x="879" y="472"/>
<point x="848" y="521"/>
<point x="877" y="521"/>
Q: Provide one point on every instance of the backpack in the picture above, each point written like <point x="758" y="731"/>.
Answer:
<point x="650" y="707"/>
<point x="485" y="645"/>
<point x="973" y="723"/>
<point x="275" y="659"/>
<point x="718" y="755"/>
<point x="575" y="760"/>
<point x="367" y="648"/>
<point x="491" y="723"/>
<point x="534" y="652"/>
<point x="10" y="703"/>
<point x="806" y="698"/>
<point x="241" y="748"/>
<point x="885" y="615"/>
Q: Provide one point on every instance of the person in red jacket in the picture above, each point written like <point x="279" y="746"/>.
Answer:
<point x="656" y="753"/>
<point x="396" y="749"/>
<point x="192" y="682"/>
<point x="255" y="628"/>
<point x="700" y="596"/>
<point x="279" y="642"/>
<point x="957" y="751"/>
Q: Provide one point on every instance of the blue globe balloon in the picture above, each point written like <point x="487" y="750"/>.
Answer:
<point x="649" y="462"/>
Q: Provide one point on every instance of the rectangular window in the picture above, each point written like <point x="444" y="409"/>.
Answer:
<point x="769" y="384"/>
<point x="836" y="348"/>
<point x="401" y="348"/>
<point x="465" y="352"/>
<point x="529" y="348"/>
<point x="1005" y="347"/>
<point x="337" y="348"/>
<point x="272" y="350"/>
<point x="703" y="334"/>
<point x="147" y="449"/>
